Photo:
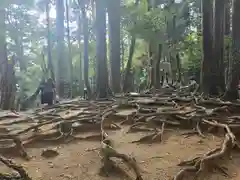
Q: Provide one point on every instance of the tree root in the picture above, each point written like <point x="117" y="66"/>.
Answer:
<point x="135" y="127"/>
<point x="23" y="174"/>
<point x="198" y="129"/>
<point x="164" y="107"/>
<point x="18" y="146"/>
<point x="208" y="162"/>
<point x="108" y="152"/>
<point x="152" y="138"/>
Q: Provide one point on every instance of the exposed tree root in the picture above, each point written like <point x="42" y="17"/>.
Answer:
<point x="22" y="173"/>
<point x="18" y="146"/>
<point x="143" y="112"/>
<point x="108" y="152"/>
<point x="152" y="138"/>
<point x="209" y="161"/>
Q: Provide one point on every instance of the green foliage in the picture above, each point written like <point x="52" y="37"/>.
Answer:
<point x="26" y="25"/>
<point x="191" y="48"/>
<point x="146" y="25"/>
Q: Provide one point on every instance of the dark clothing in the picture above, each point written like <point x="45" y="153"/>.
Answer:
<point x="47" y="92"/>
<point x="47" y="98"/>
<point x="85" y="93"/>
<point x="47" y="87"/>
<point x="167" y="77"/>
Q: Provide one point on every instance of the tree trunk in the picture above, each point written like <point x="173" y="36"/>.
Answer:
<point x="20" y="58"/>
<point x="101" y="57"/>
<point x="179" y="68"/>
<point x="232" y="88"/>
<point x="8" y="85"/>
<point x="122" y="60"/>
<point x="219" y="43"/>
<point x="158" y="78"/>
<point x="63" y="65"/>
<point x="69" y="48"/>
<point x="126" y="83"/>
<point x="227" y="34"/>
<point x="2" y="41"/>
<point x="151" y="54"/>
<point x="5" y="70"/>
<point x="114" y="36"/>
<point x="122" y="55"/>
<point x="81" y="83"/>
<point x="85" y="56"/>
<point x="152" y="66"/>
<point x="49" y="44"/>
<point x="130" y="57"/>
<point x="207" y="14"/>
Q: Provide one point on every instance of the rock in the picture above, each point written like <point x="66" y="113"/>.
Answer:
<point x="49" y="153"/>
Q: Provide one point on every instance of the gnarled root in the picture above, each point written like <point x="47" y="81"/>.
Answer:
<point x="18" y="145"/>
<point x="108" y="152"/>
<point x="210" y="160"/>
<point x="22" y="173"/>
<point x="152" y="138"/>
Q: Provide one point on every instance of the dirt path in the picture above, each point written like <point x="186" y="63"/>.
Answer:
<point x="81" y="161"/>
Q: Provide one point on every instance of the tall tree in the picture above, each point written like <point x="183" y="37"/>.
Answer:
<point x="2" y="39"/>
<point x="219" y="42"/>
<point x="207" y="30"/>
<point x="79" y="33"/>
<point x="102" y="73"/>
<point x="86" y="43"/>
<point x="126" y="83"/>
<point x="49" y="44"/>
<point x="232" y="88"/>
<point x="8" y="84"/>
<point x="69" y="47"/>
<point x="157" y="74"/>
<point x="113" y="8"/>
<point x="63" y="65"/>
<point x="227" y="22"/>
<point x="152" y="56"/>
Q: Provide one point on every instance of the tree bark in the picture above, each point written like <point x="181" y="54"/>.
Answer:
<point x="179" y="68"/>
<point x="219" y="43"/>
<point x="207" y="30"/>
<point x="101" y="57"/>
<point x="63" y="65"/>
<point x="81" y="83"/>
<point x="69" y="49"/>
<point x="152" y="66"/>
<point x="2" y="40"/>
<point x="151" y="44"/>
<point x="227" y="22"/>
<point x="158" y="78"/>
<point x="8" y="85"/>
<point x="114" y="36"/>
<point x="49" y="44"/>
<point x="130" y="57"/>
<point x="85" y="55"/>
<point x="232" y="88"/>
<point x="126" y="83"/>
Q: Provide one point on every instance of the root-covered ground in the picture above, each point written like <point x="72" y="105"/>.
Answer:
<point x="167" y="135"/>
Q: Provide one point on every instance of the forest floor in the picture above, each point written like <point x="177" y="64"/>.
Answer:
<point x="80" y="161"/>
<point x="153" y="150"/>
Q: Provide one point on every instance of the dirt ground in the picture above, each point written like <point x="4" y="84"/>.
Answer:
<point x="81" y="160"/>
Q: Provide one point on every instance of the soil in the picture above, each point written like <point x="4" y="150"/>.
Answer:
<point x="81" y="160"/>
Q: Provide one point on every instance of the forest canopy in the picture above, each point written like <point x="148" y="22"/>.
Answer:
<point x="113" y="46"/>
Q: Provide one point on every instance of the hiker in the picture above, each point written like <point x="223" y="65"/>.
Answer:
<point x="47" y="92"/>
<point x="166" y="76"/>
<point x="162" y="72"/>
<point x="85" y="93"/>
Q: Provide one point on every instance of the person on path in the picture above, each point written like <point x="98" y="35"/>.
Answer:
<point x="47" y="92"/>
